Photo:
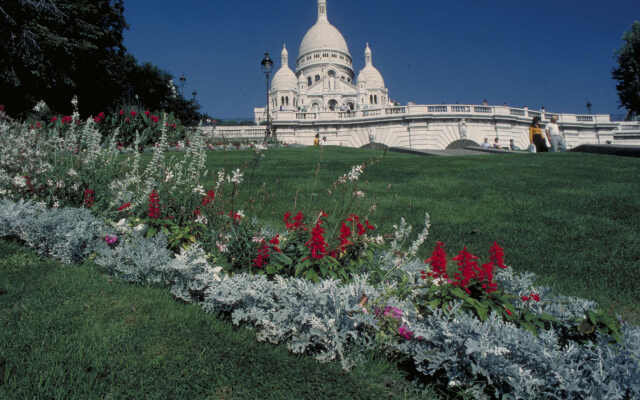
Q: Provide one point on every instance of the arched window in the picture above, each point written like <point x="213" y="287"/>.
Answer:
<point x="287" y="100"/>
<point x="309" y="81"/>
<point x="370" y="99"/>
<point x="332" y="73"/>
<point x="375" y="98"/>
<point x="317" y="78"/>
<point x="282" y="101"/>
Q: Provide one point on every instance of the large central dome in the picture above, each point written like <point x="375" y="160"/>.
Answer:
<point x="323" y="35"/>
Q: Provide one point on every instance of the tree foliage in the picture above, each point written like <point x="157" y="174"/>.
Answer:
<point x="55" y="49"/>
<point x="628" y="71"/>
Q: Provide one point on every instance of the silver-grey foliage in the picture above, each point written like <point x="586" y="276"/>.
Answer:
<point x="325" y="320"/>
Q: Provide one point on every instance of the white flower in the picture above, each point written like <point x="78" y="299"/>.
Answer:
<point x="49" y="182"/>
<point x="74" y="101"/>
<point x="199" y="189"/>
<point x="60" y="184"/>
<point x="454" y="383"/>
<point x="240" y="213"/>
<point x="72" y="172"/>
<point x="257" y="239"/>
<point x="41" y="106"/>
<point x="19" y="181"/>
<point x="56" y="204"/>
<point x="138" y="228"/>
<point x="379" y="239"/>
<point x="237" y="176"/>
<point x="221" y="247"/>
<point x="201" y="219"/>
<point x="122" y="223"/>
<point x="359" y="194"/>
<point x="169" y="176"/>
<point x="75" y="187"/>
<point x="221" y="178"/>
<point x="355" y="173"/>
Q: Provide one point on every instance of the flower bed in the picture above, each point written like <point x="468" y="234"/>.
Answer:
<point x="329" y="285"/>
<point x="326" y="319"/>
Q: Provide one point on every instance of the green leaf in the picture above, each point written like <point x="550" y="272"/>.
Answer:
<point x="151" y="232"/>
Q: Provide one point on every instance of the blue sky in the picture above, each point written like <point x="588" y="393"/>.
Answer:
<point x="553" y="53"/>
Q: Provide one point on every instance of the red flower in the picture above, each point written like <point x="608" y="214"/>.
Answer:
<point x="345" y="234"/>
<point x="121" y="112"/>
<point x="101" y="115"/>
<point x="275" y="242"/>
<point x="89" y="198"/>
<point x="507" y="310"/>
<point x="124" y="206"/>
<point x="154" y="118"/>
<point x="96" y="120"/>
<point x="154" y="205"/>
<point x="126" y="119"/>
<point x="1" y="107"/>
<point x="38" y="125"/>
<point x="133" y="113"/>
<point x="438" y="262"/>
<point x="370" y="227"/>
<point x="525" y="298"/>
<point x="496" y="254"/>
<point x="361" y="229"/>
<point x="54" y="119"/>
<point x="196" y="212"/>
<point x="147" y="113"/>
<point x="67" y="119"/>
<point x="211" y="195"/>
<point x="298" y="221"/>
<point x="535" y="296"/>
<point x="317" y="244"/>
<point x="468" y="269"/>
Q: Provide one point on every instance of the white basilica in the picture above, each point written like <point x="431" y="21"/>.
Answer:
<point x="325" y="79"/>
<point x="324" y="97"/>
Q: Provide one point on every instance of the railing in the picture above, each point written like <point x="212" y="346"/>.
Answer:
<point x="370" y="113"/>
<point x="461" y="109"/>
<point x="482" y="109"/>
<point x="306" y="115"/>
<point x="454" y="110"/>
<point x="395" y="110"/>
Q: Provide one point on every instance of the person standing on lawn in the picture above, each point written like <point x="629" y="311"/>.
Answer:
<point x="558" y="143"/>
<point x="316" y="140"/>
<point x="535" y="136"/>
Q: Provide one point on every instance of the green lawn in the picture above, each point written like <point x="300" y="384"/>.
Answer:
<point x="572" y="219"/>
<point x="70" y="332"/>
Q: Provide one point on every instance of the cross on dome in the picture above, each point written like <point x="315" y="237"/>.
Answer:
<point x="284" y="55"/>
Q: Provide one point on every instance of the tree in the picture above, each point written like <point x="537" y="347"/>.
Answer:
<point x="55" y="49"/>
<point x="628" y="72"/>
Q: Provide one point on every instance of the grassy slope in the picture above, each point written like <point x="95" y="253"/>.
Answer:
<point x="573" y="219"/>
<point x="70" y="332"/>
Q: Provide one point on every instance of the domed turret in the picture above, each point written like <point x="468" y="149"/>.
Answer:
<point x="369" y="75"/>
<point x="284" y="79"/>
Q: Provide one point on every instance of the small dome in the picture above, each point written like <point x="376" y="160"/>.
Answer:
<point x="369" y="74"/>
<point x="284" y="79"/>
<point x="372" y="77"/>
<point x="323" y="36"/>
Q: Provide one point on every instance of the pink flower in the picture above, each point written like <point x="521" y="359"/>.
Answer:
<point x="405" y="332"/>
<point x="393" y="312"/>
<point x="110" y="239"/>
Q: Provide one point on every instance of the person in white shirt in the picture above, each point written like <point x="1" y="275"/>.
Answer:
<point x="485" y="144"/>
<point x="558" y="143"/>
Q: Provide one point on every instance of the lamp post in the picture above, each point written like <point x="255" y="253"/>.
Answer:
<point x="589" y="106"/>
<point x="267" y="65"/>
<point x="194" y="94"/>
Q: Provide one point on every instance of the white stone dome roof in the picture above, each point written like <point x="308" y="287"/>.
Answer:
<point x="284" y="79"/>
<point x="370" y="74"/>
<point x="323" y="36"/>
<point x="372" y="77"/>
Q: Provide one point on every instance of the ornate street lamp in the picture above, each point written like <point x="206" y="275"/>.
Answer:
<point x="589" y="106"/>
<point x="267" y="66"/>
